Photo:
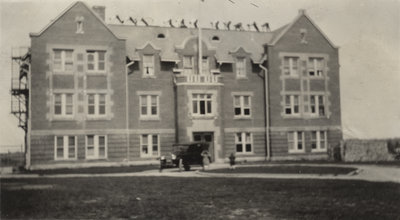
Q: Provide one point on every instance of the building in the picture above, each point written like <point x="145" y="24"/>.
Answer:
<point x="125" y="93"/>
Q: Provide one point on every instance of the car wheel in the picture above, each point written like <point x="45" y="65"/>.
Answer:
<point x="187" y="167"/>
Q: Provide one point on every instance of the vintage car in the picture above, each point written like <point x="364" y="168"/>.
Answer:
<point x="184" y="155"/>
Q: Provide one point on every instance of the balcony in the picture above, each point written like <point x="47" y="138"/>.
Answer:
<point x="198" y="79"/>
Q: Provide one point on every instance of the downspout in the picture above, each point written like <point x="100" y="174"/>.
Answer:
<point x="266" y="111"/>
<point x="127" y="109"/>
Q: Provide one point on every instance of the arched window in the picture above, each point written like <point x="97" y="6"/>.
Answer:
<point x="161" y="35"/>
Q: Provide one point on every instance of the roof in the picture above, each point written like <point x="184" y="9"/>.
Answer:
<point x="229" y="41"/>
<point x="65" y="11"/>
<point x="279" y="33"/>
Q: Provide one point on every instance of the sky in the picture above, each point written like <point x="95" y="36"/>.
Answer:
<point x="366" y="31"/>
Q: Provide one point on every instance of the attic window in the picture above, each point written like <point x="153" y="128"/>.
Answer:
<point x="215" y="38"/>
<point x="161" y="36"/>
<point x="303" y="35"/>
<point x="79" y="24"/>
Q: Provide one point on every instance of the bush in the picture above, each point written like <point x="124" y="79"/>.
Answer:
<point x="394" y="148"/>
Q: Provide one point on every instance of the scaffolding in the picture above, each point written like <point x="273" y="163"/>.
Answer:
<point x="20" y="73"/>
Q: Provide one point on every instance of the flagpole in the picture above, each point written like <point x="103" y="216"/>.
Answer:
<point x="200" y="67"/>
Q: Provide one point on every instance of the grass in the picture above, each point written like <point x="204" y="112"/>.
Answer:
<point x="197" y="198"/>
<point x="287" y="170"/>
<point x="95" y="170"/>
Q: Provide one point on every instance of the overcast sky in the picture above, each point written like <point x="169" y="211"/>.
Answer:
<point x="367" y="32"/>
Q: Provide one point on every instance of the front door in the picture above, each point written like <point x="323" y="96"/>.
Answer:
<point x="207" y="137"/>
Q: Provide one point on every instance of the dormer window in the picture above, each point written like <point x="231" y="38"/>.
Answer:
<point x="161" y="35"/>
<point x="240" y="67"/>
<point x="188" y="65"/>
<point x="148" y="65"/>
<point x="79" y="24"/>
<point x="215" y="38"/>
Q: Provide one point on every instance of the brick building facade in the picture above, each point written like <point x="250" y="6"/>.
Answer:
<point x="125" y="93"/>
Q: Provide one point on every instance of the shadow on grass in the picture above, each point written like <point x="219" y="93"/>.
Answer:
<point x="287" y="170"/>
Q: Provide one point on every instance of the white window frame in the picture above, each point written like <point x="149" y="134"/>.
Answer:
<point x="63" y="105"/>
<point x="244" y="142"/>
<point x="96" y="61"/>
<point x="96" y="147"/>
<point x="148" y="105"/>
<point x="64" y="60"/>
<point x="292" y="105"/>
<point x="293" y="143"/>
<point x="195" y="97"/>
<point x="241" y="67"/>
<point x="321" y="140"/>
<point x="241" y="106"/>
<point x="292" y="71"/>
<point x="149" y="145"/>
<point x="151" y="65"/>
<point x="317" y="105"/>
<point x="65" y="148"/>
<point x="188" y="70"/>
<point x="96" y="105"/>
<point x="313" y="66"/>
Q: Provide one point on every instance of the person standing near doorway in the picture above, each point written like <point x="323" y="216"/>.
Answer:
<point x="206" y="159"/>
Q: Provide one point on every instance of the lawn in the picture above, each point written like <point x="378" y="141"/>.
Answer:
<point x="287" y="170"/>
<point x="197" y="198"/>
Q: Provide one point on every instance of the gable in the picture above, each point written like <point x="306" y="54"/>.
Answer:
<point x="65" y="24"/>
<point x="303" y="32"/>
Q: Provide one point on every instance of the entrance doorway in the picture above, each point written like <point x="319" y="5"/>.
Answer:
<point x="207" y="137"/>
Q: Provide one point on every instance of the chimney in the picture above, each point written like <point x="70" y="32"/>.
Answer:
<point x="302" y="11"/>
<point x="100" y="11"/>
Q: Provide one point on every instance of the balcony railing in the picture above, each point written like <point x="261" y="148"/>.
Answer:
<point x="197" y="78"/>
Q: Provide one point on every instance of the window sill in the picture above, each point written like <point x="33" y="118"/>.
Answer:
<point x="291" y="77"/>
<point x="291" y="116"/>
<point x="97" y="118"/>
<point x="142" y="118"/>
<point x="244" y="153"/>
<point x="62" y="159"/>
<point x="96" y="73"/>
<point x="319" y="151"/>
<point x="242" y="117"/>
<point x="203" y="117"/>
<point x="63" y="118"/>
<point x="61" y="72"/>
<point x="296" y="152"/>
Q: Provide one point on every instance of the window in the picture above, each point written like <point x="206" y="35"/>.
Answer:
<point x="188" y="65"/>
<point x="292" y="104"/>
<point x="96" y="146"/>
<point x="96" y="61"/>
<point x="79" y="24"/>
<point x="149" y="105"/>
<point x="201" y="104"/>
<point x="148" y="65"/>
<point x="161" y="36"/>
<point x="296" y="141"/>
<point x="243" y="142"/>
<point x="65" y="147"/>
<point x="318" y="141"/>
<point x="240" y="67"/>
<point x="215" y="38"/>
<point x="96" y="104"/>
<point x="205" y="66"/>
<point x="63" y="60"/>
<point x="149" y="145"/>
<point x="63" y="104"/>
<point x="241" y="104"/>
<point x="290" y="66"/>
<point x="316" y="67"/>
<point x="317" y="105"/>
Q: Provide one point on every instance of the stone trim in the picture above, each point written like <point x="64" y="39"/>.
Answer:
<point x="307" y="128"/>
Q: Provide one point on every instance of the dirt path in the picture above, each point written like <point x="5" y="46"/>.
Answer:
<point x="364" y="172"/>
